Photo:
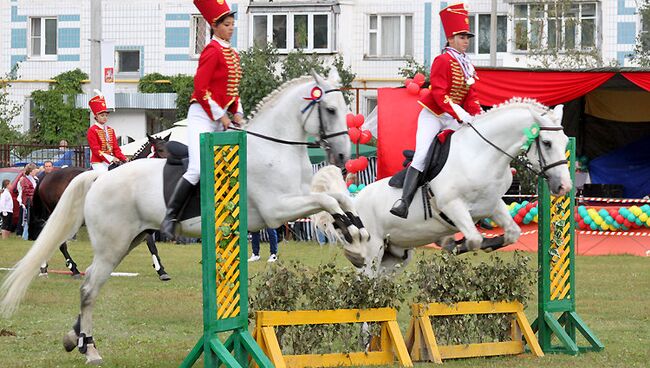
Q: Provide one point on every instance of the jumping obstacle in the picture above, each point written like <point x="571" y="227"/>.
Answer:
<point x="390" y="341"/>
<point x="422" y="343"/>
<point x="556" y="280"/>
<point x="224" y="231"/>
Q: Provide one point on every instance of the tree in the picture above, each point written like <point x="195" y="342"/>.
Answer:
<point x="259" y="75"/>
<point x="9" y="109"/>
<point x="55" y="113"/>
<point x="641" y="53"/>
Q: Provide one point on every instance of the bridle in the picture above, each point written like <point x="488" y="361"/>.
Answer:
<point x="314" y="100"/>
<point x="540" y="158"/>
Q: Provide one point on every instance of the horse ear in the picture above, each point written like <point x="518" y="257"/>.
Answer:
<point x="558" y="111"/>
<point x="316" y="76"/>
<point x="149" y="137"/>
<point x="166" y="139"/>
<point x="334" y="77"/>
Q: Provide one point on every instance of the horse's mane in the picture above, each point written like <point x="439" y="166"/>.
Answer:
<point x="277" y="92"/>
<point x="139" y="151"/>
<point x="521" y="102"/>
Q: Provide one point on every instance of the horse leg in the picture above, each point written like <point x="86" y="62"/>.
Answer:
<point x="348" y="206"/>
<point x="43" y="270"/>
<point x="458" y="212"/>
<point x="69" y="262"/>
<point x="503" y="218"/>
<point x="157" y="264"/>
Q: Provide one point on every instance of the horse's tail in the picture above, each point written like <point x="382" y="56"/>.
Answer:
<point x="64" y="222"/>
<point x="328" y="179"/>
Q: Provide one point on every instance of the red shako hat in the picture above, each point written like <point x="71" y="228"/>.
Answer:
<point x="455" y="20"/>
<point x="98" y="103"/>
<point x="213" y="10"/>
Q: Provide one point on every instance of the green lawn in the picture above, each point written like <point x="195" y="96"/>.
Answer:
<point x="143" y="322"/>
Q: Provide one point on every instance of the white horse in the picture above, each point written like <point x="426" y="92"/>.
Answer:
<point x="469" y="187"/>
<point x="120" y="205"/>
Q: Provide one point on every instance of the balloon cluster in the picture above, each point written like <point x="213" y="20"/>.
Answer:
<point x="524" y="212"/>
<point x="354" y="188"/>
<point x="414" y="85"/>
<point x="612" y="219"/>
<point x="357" y="136"/>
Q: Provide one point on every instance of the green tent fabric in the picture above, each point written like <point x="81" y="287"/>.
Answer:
<point x="317" y="155"/>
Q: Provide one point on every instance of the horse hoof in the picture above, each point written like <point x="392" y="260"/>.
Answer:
<point x="92" y="355"/>
<point x="76" y="276"/>
<point x="164" y="277"/>
<point x="355" y="258"/>
<point x="70" y="341"/>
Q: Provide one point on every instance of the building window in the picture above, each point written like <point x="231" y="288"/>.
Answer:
<point x="43" y="36"/>
<point x="371" y="104"/>
<point x="128" y="61"/>
<point x="311" y="32"/>
<point x="479" y="24"/>
<point x="200" y="35"/>
<point x="390" y="35"/>
<point x="558" y="26"/>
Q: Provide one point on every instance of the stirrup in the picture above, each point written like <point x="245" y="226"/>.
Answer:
<point x="400" y="209"/>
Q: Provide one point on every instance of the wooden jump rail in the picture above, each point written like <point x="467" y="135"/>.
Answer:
<point x="421" y="339"/>
<point x="391" y="340"/>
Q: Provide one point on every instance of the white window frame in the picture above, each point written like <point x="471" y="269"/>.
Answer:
<point x="193" y="26"/>
<point x="42" y="55"/>
<point x="474" y="18"/>
<point x="402" y="27"/>
<point x="545" y="23"/>
<point x="290" y="31"/>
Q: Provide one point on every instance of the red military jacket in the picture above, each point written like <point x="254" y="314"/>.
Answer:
<point x="448" y="84"/>
<point x="99" y="144"/>
<point x="217" y="78"/>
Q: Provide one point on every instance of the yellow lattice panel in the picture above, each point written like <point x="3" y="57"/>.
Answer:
<point x="560" y="246"/>
<point x="226" y="191"/>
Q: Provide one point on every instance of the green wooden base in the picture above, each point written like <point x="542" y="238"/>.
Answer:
<point x="233" y="353"/>
<point x="564" y="329"/>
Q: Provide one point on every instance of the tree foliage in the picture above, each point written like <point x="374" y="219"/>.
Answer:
<point x="55" y="113"/>
<point x="259" y="75"/>
<point x="181" y="84"/>
<point x="9" y="109"/>
<point x="412" y="68"/>
<point x="641" y="53"/>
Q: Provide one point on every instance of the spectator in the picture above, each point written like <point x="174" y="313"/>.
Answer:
<point x="26" y="194"/>
<point x="6" y="208"/>
<point x="273" y="241"/>
<point x="48" y="166"/>
<point x="63" y="145"/>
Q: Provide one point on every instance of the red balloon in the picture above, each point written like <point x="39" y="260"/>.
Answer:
<point x="582" y="225"/>
<point x="513" y="171"/>
<point x="522" y="211"/>
<point x="350" y="166"/>
<point x="619" y="219"/>
<point x="627" y="223"/>
<point x="349" y="120"/>
<point x="424" y="91"/>
<point x="358" y="120"/>
<point x="366" y="136"/>
<point x="364" y="161"/>
<point x="419" y="79"/>
<point x="408" y="81"/>
<point x="354" y="134"/>
<point x="413" y="88"/>
<point x="518" y="218"/>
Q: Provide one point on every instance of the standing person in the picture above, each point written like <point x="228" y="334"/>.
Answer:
<point x="48" y="166"/>
<point x="26" y="194"/>
<point x="6" y="208"/>
<point x="273" y="242"/>
<point x="216" y="94"/>
<point x="451" y="84"/>
<point x="102" y="140"/>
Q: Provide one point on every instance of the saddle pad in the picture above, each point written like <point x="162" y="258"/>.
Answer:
<point x="436" y="158"/>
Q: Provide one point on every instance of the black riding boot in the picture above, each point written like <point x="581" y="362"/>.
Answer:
<point x="401" y="207"/>
<point x="176" y="202"/>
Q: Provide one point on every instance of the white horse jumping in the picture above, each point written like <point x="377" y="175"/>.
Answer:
<point x="469" y="187"/>
<point x="120" y="205"/>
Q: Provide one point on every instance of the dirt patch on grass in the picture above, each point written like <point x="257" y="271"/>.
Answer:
<point x="4" y="332"/>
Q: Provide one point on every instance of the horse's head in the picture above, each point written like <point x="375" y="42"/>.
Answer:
<point x="159" y="146"/>
<point x="325" y="117"/>
<point x="547" y="153"/>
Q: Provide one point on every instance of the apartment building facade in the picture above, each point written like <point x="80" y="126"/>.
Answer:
<point x="375" y="38"/>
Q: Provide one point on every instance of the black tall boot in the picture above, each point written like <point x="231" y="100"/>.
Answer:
<point x="401" y="207"/>
<point x="176" y="203"/>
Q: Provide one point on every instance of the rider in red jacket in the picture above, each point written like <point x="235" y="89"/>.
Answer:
<point x="452" y="77"/>
<point x="216" y="94"/>
<point x="102" y="140"/>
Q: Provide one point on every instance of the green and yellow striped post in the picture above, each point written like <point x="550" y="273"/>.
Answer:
<point x="556" y="278"/>
<point x="224" y="234"/>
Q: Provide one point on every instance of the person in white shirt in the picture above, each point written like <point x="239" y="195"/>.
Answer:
<point x="6" y="208"/>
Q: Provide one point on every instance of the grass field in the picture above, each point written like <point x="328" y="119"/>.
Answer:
<point x="143" y="322"/>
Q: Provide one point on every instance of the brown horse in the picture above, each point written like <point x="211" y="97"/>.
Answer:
<point x="50" y="189"/>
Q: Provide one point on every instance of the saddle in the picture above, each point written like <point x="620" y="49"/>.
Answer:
<point x="175" y="167"/>
<point x="436" y="158"/>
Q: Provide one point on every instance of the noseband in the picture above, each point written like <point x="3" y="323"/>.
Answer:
<point x="542" y="163"/>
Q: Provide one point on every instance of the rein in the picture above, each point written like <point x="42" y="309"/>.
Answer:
<point x="315" y="99"/>
<point x="528" y="166"/>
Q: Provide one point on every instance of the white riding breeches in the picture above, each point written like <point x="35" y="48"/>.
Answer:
<point x="100" y="166"/>
<point x="429" y="125"/>
<point x="198" y="122"/>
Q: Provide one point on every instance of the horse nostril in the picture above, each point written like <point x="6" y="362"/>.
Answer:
<point x="341" y="157"/>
